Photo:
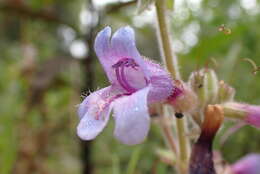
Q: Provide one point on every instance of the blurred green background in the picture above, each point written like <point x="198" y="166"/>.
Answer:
<point x="47" y="63"/>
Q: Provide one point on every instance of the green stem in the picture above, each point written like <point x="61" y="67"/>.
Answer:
<point x="183" y="144"/>
<point x="134" y="160"/>
<point x="172" y="66"/>
<point x="164" y="39"/>
<point x="167" y="131"/>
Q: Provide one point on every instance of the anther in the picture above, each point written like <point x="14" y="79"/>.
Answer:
<point x="120" y="73"/>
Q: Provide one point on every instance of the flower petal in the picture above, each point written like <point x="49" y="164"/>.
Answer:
<point x="131" y="117"/>
<point x="161" y="82"/>
<point x="89" y="127"/>
<point x="102" y="44"/>
<point x="103" y="51"/>
<point x="94" y="113"/>
<point x="83" y="107"/>
<point x="123" y="46"/>
<point x="253" y="115"/>
<point x="247" y="165"/>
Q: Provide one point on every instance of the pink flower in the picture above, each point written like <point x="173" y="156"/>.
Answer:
<point x="252" y="114"/>
<point x="249" y="164"/>
<point x="135" y="83"/>
<point x="248" y="113"/>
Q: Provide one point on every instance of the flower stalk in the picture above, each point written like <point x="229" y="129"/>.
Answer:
<point x="164" y="39"/>
<point x="172" y="66"/>
<point x="166" y="128"/>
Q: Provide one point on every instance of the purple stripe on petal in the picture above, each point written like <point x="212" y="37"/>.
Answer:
<point x="123" y="45"/>
<point x="94" y="113"/>
<point x="89" y="127"/>
<point x="125" y="81"/>
<point x="132" y="121"/>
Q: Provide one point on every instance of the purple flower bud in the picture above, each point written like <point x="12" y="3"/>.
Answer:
<point x="249" y="164"/>
<point x="248" y="113"/>
<point x="135" y="83"/>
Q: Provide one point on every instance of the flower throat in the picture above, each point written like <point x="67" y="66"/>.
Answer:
<point x="120" y="67"/>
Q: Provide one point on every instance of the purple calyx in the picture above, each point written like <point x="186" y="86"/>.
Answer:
<point x="120" y="68"/>
<point x="176" y="92"/>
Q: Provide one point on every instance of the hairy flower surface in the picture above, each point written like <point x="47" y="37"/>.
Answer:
<point x="135" y="83"/>
<point x="249" y="164"/>
<point x="183" y="99"/>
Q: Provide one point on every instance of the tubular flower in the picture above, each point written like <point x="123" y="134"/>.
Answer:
<point x="248" y="113"/>
<point x="247" y="165"/>
<point x="135" y="83"/>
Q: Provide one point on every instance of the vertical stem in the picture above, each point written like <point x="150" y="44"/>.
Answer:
<point x="172" y="66"/>
<point x="182" y="140"/>
<point x="166" y="129"/>
<point x="168" y="136"/>
<point x="164" y="39"/>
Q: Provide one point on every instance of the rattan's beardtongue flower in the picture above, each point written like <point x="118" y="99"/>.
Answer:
<point x="201" y="161"/>
<point x="135" y="83"/>
<point x="249" y="164"/>
<point x="250" y="114"/>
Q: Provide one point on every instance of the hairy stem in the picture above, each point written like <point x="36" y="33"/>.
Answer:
<point x="172" y="66"/>
<point x="164" y="39"/>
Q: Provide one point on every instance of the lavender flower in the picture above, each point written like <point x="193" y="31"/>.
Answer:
<point x="135" y="83"/>
<point x="249" y="164"/>
<point x="248" y="113"/>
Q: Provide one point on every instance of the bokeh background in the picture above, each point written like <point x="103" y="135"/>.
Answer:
<point x="47" y="63"/>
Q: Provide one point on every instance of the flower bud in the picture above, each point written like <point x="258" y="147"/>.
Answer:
<point x="196" y="83"/>
<point x="249" y="164"/>
<point x="205" y="85"/>
<point x="202" y="156"/>
<point x="250" y="114"/>
<point x="211" y="86"/>
<point x="226" y="93"/>
<point x="183" y="99"/>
